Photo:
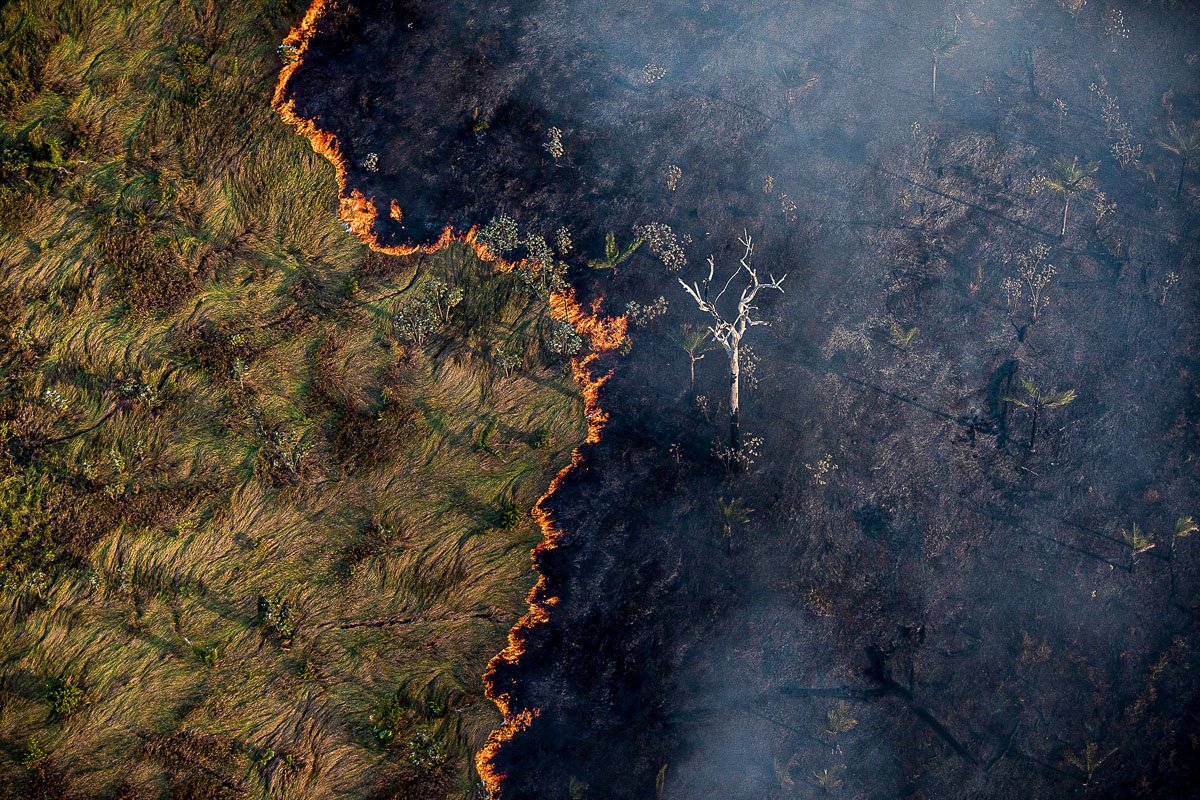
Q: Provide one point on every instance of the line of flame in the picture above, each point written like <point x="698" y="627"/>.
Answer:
<point x="604" y="334"/>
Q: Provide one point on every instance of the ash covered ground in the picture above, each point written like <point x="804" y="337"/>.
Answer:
<point x="917" y="593"/>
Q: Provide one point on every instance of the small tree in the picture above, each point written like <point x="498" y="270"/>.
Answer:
<point x="1038" y="401"/>
<point x="1070" y="178"/>
<point x="695" y="341"/>
<point x="416" y="320"/>
<point x="728" y="332"/>
<point x="506" y="359"/>
<point x="1185" y="144"/>
<point x="426" y="311"/>
<point x="942" y="43"/>
<point x="443" y="297"/>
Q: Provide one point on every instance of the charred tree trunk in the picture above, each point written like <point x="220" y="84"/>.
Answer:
<point x="1182" y="171"/>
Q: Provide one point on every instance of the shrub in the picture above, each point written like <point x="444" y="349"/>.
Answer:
<point x="541" y="439"/>
<point x="212" y="348"/>
<point x="276" y="614"/>
<point x="356" y="440"/>
<point x="25" y="542"/>
<point x="363" y="441"/>
<point x="210" y="656"/>
<point x="198" y="765"/>
<point x="35" y="754"/>
<point x="424" y="752"/>
<point x="64" y="697"/>
<point x="392" y="717"/>
<point x="507" y="516"/>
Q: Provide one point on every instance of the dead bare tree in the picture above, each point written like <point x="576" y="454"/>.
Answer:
<point x="728" y="331"/>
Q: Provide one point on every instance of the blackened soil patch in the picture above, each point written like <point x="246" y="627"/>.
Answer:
<point x="918" y="600"/>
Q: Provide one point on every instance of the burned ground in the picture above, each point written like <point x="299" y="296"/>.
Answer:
<point x="925" y="597"/>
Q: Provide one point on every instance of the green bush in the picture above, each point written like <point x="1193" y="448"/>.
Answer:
<point x="276" y="614"/>
<point x="392" y="717"/>
<point x="507" y="516"/>
<point x="541" y="439"/>
<point x="35" y="754"/>
<point x="64" y="697"/>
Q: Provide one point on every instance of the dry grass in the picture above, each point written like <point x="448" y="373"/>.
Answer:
<point x="197" y="413"/>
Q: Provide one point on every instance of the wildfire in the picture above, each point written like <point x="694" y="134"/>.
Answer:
<point x="360" y="214"/>
<point x="603" y="333"/>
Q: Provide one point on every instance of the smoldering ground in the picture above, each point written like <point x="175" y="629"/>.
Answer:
<point x="924" y="595"/>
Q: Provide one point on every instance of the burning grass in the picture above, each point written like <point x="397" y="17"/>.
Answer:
<point x="359" y="214"/>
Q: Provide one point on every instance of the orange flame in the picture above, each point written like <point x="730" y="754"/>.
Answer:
<point x="604" y="334"/>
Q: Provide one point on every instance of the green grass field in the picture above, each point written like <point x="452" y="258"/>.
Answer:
<point x="254" y="540"/>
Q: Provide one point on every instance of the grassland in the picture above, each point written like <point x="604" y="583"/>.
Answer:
<point x="255" y="540"/>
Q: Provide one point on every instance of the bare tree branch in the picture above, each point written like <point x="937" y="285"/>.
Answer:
<point x="728" y="333"/>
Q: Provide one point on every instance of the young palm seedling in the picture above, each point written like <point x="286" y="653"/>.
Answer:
<point x="1038" y="401"/>
<point x="695" y="341"/>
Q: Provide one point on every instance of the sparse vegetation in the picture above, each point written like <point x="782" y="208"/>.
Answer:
<point x="839" y="721"/>
<point x="1139" y="541"/>
<point x="614" y="255"/>
<point x="265" y="495"/>
<point x="733" y="512"/>
<point x="1034" y="275"/>
<point x="1088" y="760"/>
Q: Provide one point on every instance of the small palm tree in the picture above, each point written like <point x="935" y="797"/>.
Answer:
<point x="1089" y="760"/>
<point x="1070" y="178"/>
<point x="1138" y="540"/>
<point x="695" y="341"/>
<point x="1038" y="401"/>
<point x="1183" y="143"/>
<point x="733" y="512"/>
<point x="941" y="44"/>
